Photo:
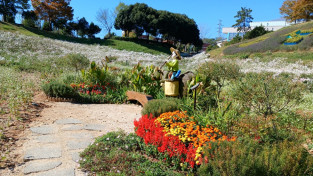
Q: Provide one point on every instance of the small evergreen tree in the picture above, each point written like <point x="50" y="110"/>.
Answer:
<point x="244" y="19"/>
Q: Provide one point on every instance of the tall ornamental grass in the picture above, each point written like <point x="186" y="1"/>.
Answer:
<point x="16" y="91"/>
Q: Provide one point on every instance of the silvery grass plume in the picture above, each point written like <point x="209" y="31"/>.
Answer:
<point x="15" y="46"/>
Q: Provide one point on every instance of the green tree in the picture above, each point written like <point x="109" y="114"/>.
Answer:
<point x="172" y="26"/>
<point x="123" y="20"/>
<point x="30" y="18"/>
<point x="256" y="32"/>
<point x="244" y="19"/>
<point x="93" y="29"/>
<point x="119" y="7"/>
<point x="9" y="8"/>
<point x="144" y="18"/>
<point x="82" y="27"/>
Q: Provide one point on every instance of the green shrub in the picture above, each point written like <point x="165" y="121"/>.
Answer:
<point x="158" y="106"/>
<point x="70" y="78"/>
<point x="211" y="47"/>
<point x="57" y="89"/>
<point x="256" y="32"/>
<point x="219" y="73"/>
<point x="235" y="40"/>
<point x="117" y="153"/>
<point x="92" y="99"/>
<point x="46" y="26"/>
<point x="206" y="102"/>
<point x="29" y="23"/>
<point x="265" y="94"/>
<point x="117" y="96"/>
<point x="77" y="61"/>
<point x="251" y="158"/>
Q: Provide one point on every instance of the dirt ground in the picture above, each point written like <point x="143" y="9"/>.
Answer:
<point x="113" y="117"/>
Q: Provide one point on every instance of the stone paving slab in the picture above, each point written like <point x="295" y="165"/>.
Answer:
<point x="47" y="139"/>
<point x="81" y="135"/>
<point x="59" y="172"/>
<point x="94" y="127"/>
<point x="39" y="166"/>
<point x="72" y="128"/>
<point x="73" y="144"/>
<point x="43" y="153"/>
<point x="68" y="121"/>
<point x="44" y="129"/>
<point x="76" y="157"/>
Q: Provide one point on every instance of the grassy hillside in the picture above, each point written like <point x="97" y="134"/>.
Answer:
<point x="135" y="45"/>
<point x="272" y="45"/>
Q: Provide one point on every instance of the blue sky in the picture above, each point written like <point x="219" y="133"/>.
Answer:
<point x="206" y="13"/>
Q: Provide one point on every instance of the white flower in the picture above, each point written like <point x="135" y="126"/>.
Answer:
<point x="108" y="139"/>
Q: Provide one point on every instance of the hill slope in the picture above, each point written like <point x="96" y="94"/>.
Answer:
<point x="272" y="44"/>
<point x="19" y="43"/>
<point x="134" y="45"/>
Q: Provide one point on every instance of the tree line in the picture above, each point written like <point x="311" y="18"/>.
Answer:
<point x="58" y="15"/>
<point x="171" y="26"/>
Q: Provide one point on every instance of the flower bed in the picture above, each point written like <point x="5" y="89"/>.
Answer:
<point x="91" y="89"/>
<point x="178" y="136"/>
<point x="306" y="32"/>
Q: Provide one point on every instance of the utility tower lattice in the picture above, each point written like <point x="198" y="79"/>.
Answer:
<point x="219" y="29"/>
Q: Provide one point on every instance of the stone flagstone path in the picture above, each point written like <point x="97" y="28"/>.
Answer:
<point x="52" y="144"/>
<point x="57" y="142"/>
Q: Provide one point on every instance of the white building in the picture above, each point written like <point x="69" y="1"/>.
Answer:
<point x="273" y="25"/>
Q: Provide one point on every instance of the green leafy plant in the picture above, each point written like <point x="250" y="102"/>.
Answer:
<point x="219" y="73"/>
<point x="145" y="79"/>
<point x="97" y="75"/>
<point x="158" y="106"/>
<point x="58" y="89"/>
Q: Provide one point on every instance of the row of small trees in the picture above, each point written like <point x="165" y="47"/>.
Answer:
<point x="58" y="15"/>
<point x="172" y="26"/>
